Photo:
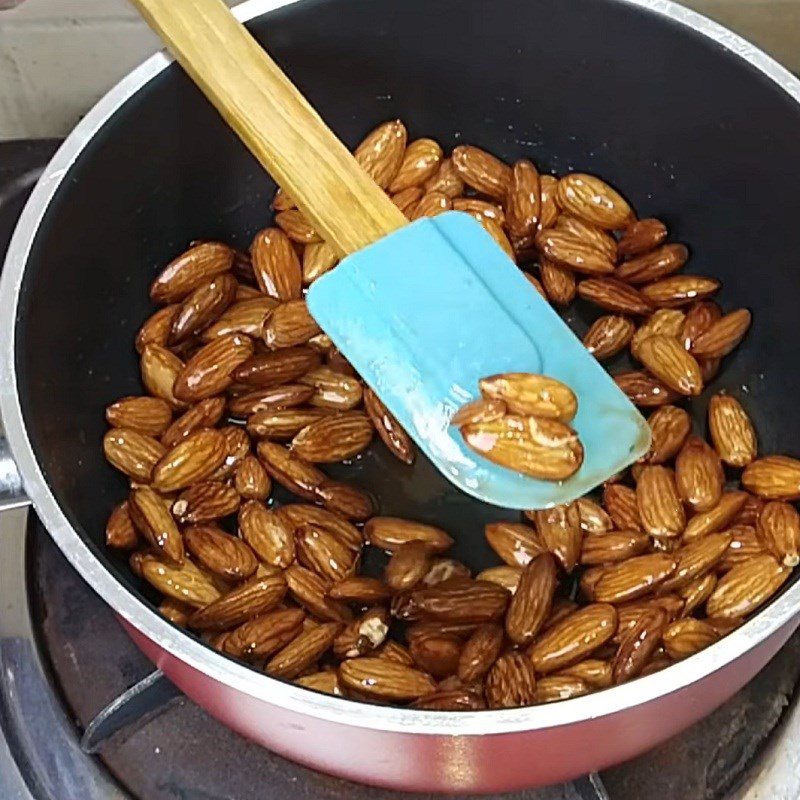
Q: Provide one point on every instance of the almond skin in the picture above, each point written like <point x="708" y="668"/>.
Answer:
<point x="608" y="336"/>
<point x="202" y="307"/>
<point x="530" y="605"/>
<point x="333" y="389"/>
<point x="268" y="533"/>
<point x="620" y="503"/>
<point x="659" y="504"/>
<point x="699" y="475"/>
<point x="265" y="634"/>
<point x="589" y="234"/>
<point x="302" y="651"/>
<point x="160" y="369"/>
<point x="209" y="371"/>
<point x="571" y="252"/>
<point x="243" y="316"/>
<point x="156" y="328"/>
<point x="319" y="550"/>
<point x="382" y="679"/>
<point x="696" y="559"/>
<point x="634" y="578"/>
<point x="480" y="410"/>
<point x="593" y="200"/>
<point x="295" y="225"/>
<point x="773" y="478"/>
<point x="333" y="438"/>
<point x="665" y="358"/>
<point x="560" y="531"/>
<point x="607" y="548"/>
<point x="276" y="266"/>
<point x="291" y="472"/>
<point x="679" y="290"/>
<point x="529" y="394"/>
<point x="289" y="325"/>
<point x="746" y="587"/>
<point x="191" y="460"/>
<point x="407" y="566"/>
<point x="189" y="270"/>
<point x="132" y="453"/>
<point x="268" y="370"/>
<point x="219" y="552"/>
<point x="511" y="682"/>
<point x="644" y="390"/>
<point x="388" y="428"/>
<point x="731" y="431"/>
<point x="559" y="283"/>
<point x="420" y="162"/>
<point x="664" y="322"/>
<point x="463" y="601"/>
<point x="716" y="518"/>
<point x="148" y="415"/>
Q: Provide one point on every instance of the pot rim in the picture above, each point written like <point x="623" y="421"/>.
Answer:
<point x="243" y="678"/>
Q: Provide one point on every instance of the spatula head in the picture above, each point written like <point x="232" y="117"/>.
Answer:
<point x="426" y="312"/>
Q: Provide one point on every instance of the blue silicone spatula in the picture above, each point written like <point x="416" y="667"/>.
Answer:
<point x="421" y="310"/>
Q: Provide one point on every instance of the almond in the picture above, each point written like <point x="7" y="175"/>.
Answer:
<point x="443" y="569"/>
<point x="630" y="613"/>
<point x="446" y="180"/>
<point x="699" y="319"/>
<point x="237" y="448"/>
<point x="209" y="371"/>
<point x="614" y="295"/>
<point x="326" y="681"/>
<point x="268" y="533"/>
<point x="679" y="290"/>
<point x="574" y="638"/>
<point x="132" y="453"/>
<point x="779" y="528"/>
<point x="699" y="475"/>
<point x="561" y="533"/>
<point x="263" y="635"/>
<point x="431" y="205"/>
<point x="620" y="503"/>
<point x="388" y="533"/>
<point x="685" y="637"/>
<point x="156" y="328"/>
<point x="505" y="576"/>
<point x="716" y="518"/>
<point x="420" y="162"/>
<point x="191" y="460"/>
<point x="206" y="501"/>
<point x="496" y="232"/>
<point x="634" y="578"/>
<point x="608" y="336"/>
<point x="548" y="187"/>
<point x="654" y="265"/>
<point x="531" y="603"/>
<point x="453" y="700"/>
<point x="120" y="531"/>
<point x="593" y="200"/>
<point x="480" y="651"/>
<point x="670" y="426"/>
<point x="289" y="471"/>
<point x="333" y="438"/>
<point x="310" y="591"/>
<point x="219" y="552"/>
<point x="302" y="651"/>
<point x="283" y="424"/>
<point x="511" y="682"/>
<point x="160" y="370"/>
<point x="573" y="253"/>
<point x="542" y="448"/>
<point x="528" y="394"/>
<point x="746" y="587"/>
<point x="695" y="593"/>
<point x="295" y="225"/>
<point x="289" y="325"/>
<point x="345" y="500"/>
<point x="559" y="283"/>
<point x="299" y="514"/>
<point x="552" y="688"/>
<point x="185" y="582"/>
<point x="589" y="234"/>
<point x="664" y="322"/>
<point x="204" y="414"/>
<point x="148" y="415"/>
<point x="382" y="679"/>
<point x="517" y="544"/>
<point x="268" y="370"/>
<point x="482" y="171"/>
<point x="723" y="335"/>
<point x="436" y="655"/>
<point x="277" y="398"/>
<point x="153" y="520"/>
<point x="389" y="429"/>
<point x="773" y="478"/>
<point x="594" y="672"/>
<point x="696" y="559"/>
<point x="321" y="551"/>
<point x="202" y="307"/>
<point x="191" y="269"/>
<point x="666" y="358"/>
<point x="408" y="566"/>
<point x="641" y="237"/>
<point x="381" y="153"/>
<point x="458" y="601"/>
<point x="659" y="504"/>
<point x="276" y="266"/>
<point x="363" y="635"/>
<point x="333" y="389"/>
<point x="731" y="431"/>
<point x="360" y="589"/>
<point x="607" y="548"/>
<point x="746" y="543"/>
<point x="480" y="410"/>
<point x="408" y="199"/>
<point x="251" y="480"/>
<point x="176" y="612"/>
<point x="318" y="258"/>
<point x="638" y="645"/>
<point x="523" y="200"/>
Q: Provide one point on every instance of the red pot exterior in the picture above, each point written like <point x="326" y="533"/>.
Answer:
<point x="435" y="763"/>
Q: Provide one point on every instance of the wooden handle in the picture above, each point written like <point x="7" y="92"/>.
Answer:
<point x="275" y="121"/>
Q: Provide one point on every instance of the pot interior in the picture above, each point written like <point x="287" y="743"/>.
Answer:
<point x="687" y="130"/>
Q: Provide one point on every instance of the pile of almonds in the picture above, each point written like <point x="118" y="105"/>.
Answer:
<point x="520" y="421"/>
<point x="242" y="389"/>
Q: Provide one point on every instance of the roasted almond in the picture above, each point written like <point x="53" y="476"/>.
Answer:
<point x="516" y="543"/>
<point x="184" y="582"/>
<point x="620" y="503"/>
<point x="436" y="655"/>
<point x="480" y="410"/>
<point x="120" y="531"/>
<point x="571" y="252"/>
<point x="202" y="307"/>
<point x="381" y="153"/>
<point x="160" y="369"/>
<point x="388" y="533"/>
<point x="553" y="688"/>
<point x="251" y="480"/>
<point x="283" y="424"/>
<point x="663" y="322"/>
<point x="560" y="530"/>
<point x="302" y="651"/>
<point x="311" y="591"/>
<point x="457" y="601"/>
<point x="670" y="426"/>
<point x="237" y="448"/>
<point x="511" y="682"/>
<point x="360" y="589"/>
<point x="589" y="234"/>
<point x="641" y="237"/>
<point x="363" y="635"/>
<point x="446" y="180"/>
<point x="389" y="429"/>
<point x="638" y="645"/>
<point x="607" y="548"/>
<point x="746" y="587"/>
<point x="559" y="283"/>
<point x="277" y="398"/>
<point x="523" y="200"/>
<point x="318" y="258"/>
<point x="665" y="357"/>
<point x="219" y="552"/>
<point x="593" y="200"/>
<point x="189" y="270"/>
<point x="773" y="478"/>
<point x="746" y="543"/>
<point x="453" y="700"/>
<point x="482" y="171"/>
<point x="321" y="551"/>
<point x="685" y="637"/>
<point x="659" y="503"/>
<point x="628" y="614"/>
<point x="614" y="295"/>
<point x="699" y="475"/>
<point x="289" y="470"/>
<point x="156" y="328"/>
<point x="276" y="266"/>
<point x="679" y="290"/>
<point x="594" y="672"/>
<point x="420" y="162"/>
<point x="206" y="501"/>
<point x="574" y="638"/>
<point x="132" y="453"/>
<point x="265" y="634"/>
<point x="696" y="559"/>
<point x="204" y="414"/>
<point x="295" y="225"/>
<point x="289" y="325"/>
<point x="299" y="514"/>
<point x="333" y="389"/>
<point x="531" y="603"/>
<point x="634" y="578"/>
<point x="268" y="370"/>
<point x="698" y="319"/>
<point x="431" y="205"/>
<point x="191" y="460"/>
<point x="716" y="518"/>
<point x="383" y="679"/>
<point x="723" y="335"/>
<point x="779" y="528"/>
<point x="654" y="265"/>
<point x="731" y="431"/>
<point x="695" y="593"/>
<point x="335" y="437"/>
<point x="608" y="336"/>
<point x="480" y="651"/>
<point x="326" y="681"/>
<point x="148" y="415"/>
<point x="268" y="532"/>
<point x="209" y="371"/>
<point x="152" y="519"/>
<point x="528" y="394"/>
<point x="408" y="566"/>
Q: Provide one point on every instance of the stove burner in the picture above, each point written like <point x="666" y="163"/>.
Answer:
<point x="67" y="667"/>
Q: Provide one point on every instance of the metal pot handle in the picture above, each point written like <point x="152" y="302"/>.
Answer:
<point x="12" y="495"/>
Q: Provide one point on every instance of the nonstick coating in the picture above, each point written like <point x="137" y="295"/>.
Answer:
<point x="690" y="133"/>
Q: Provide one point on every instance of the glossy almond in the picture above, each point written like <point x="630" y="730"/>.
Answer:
<point x="548" y="215"/>
<point x="191" y="460"/>
<point x="529" y="394"/>
<point x="516" y="543"/>
<point x="664" y="322"/>
<point x="731" y="431"/>
<point x="363" y="635"/>
<point x="542" y="448"/>
<point x="237" y="448"/>
<point x="431" y="205"/>
<point x="120" y="531"/>
<point x="620" y="503"/>
<point x="480" y="410"/>
<point x="132" y="453"/>
<point x="276" y="266"/>
<point x="608" y="548"/>
<point x="219" y="552"/>
<point x="571" y="252"/>
<point x="594" y="672"/>
<point x="531" y="603"/>
<point x="345" y="500"/>
<point x="150" y="416"/>
<point x="335" y="437"/>
<point x="638" y="645"/>
<point x="297" y="227"/>
<point x="156" y="328"/>
<point x="641" y="237"/>
<point x="654" y="265"/>
<point x="670" y="426"/>
<point x="746" y="587"/>
<point x="204" y="414"/>
<point x="360" y="589"/>
<point x="723" y="335"/>
<point x="283" y="424"/>
<point x="153" y="520"/>
<point x="614" y="295"/>
<point x="388" y="533"/>
<point x="696" y="559"/>
<point x="559" y="283"/>
<point x="496" y="232"/>
<point x="299" y="514"/>
<point x="589" y="234"/>
<point x="608" y="335"/>
<point x="594" y="520"/>
<point x="333" y="389"/>
<point x="407" y="566"/>
<point x="773" y="478"/>
<point x="184" y="582"/>
<point x="388" y="428"/>
<point x="511" y="682"/>
<point x="574" y="638"/>
<point x="699" y="475"/>
<point x="560" y="530"/>
<point x="482" y="171"/>
<point x="277" y="398"/>
<point x="593" y="200"/>
<point x="318" y="258"/>
<point x="289" y="325"/>
<point x="479" y="652"/>
<point x="779" y="528"/>
<point x="290" y="471"/>
<point x="386" y="680"/>
<point x="698" y="319"/>
<point x="264" y="634"/>
<point x="191" y="269"/>
<point x="464" y="601"/>
<point x="302" y="651"/>
<point x="268" y="533"/>
<point x="202" y="307"/>
<point x="634" y="578"/>
<point x="523" y="200"/>
<point x="716" y="518"/>
<point x="321" y="551"/>
<point x="679" y="290"/>
<point x="696" y="592"/>
<point x="209" y="371"/>
<point x="685" y="637"/>
<point x="267" y="370"/>
<point x="420" y="162"/>
<point x="206" y="501"/>
<point x="446" y="180"/>
<point x="381" y="153"/>
<point x="746" y="543"/>
<point x="659" y="503"/>
<point x="311" y="591"/>
<point x="666" y="358"/>
<point x="160" y="369"/>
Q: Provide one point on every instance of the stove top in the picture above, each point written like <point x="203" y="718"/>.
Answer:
<point x="84" y="716"/>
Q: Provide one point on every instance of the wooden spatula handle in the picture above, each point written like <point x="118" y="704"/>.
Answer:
<point x="275" y="121"/>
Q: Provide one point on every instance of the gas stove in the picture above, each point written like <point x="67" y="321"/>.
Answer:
<point x="84" y="716"/>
